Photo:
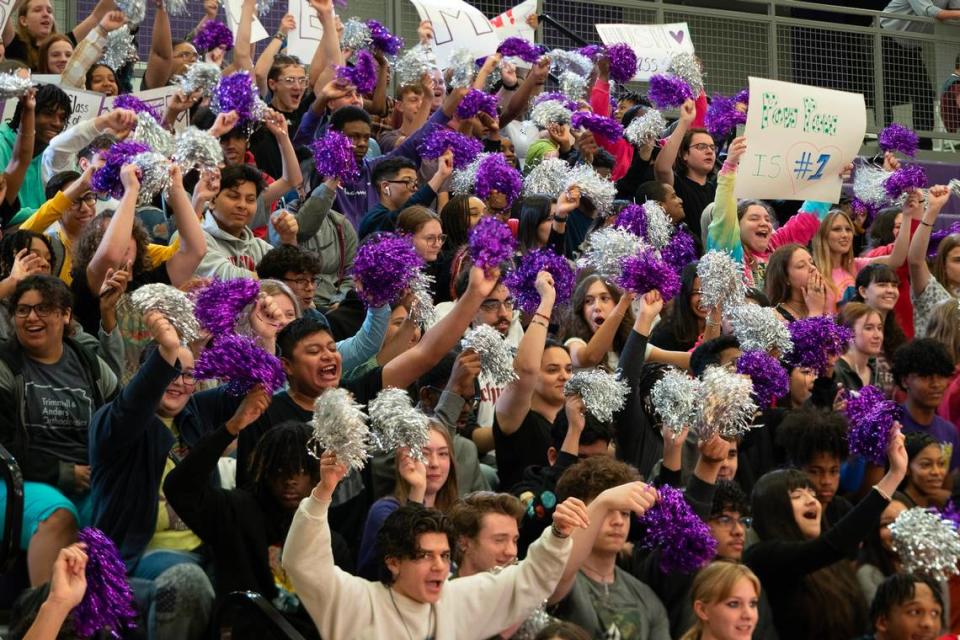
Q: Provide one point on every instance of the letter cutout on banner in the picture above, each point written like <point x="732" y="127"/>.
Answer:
<point x="232" y="9"/>
<point x="84" y="104"/>
<point x="799" y="138"/>
<point x="304" y="40"/>
<point x="654" y="44"/>
<point x="457" y="25"/>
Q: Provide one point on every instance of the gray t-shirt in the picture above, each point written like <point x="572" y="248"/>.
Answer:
<point x="59" y="405"/>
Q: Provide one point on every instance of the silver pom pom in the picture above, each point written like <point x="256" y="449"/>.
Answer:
<point x="603" y="393"/>
<point x="13" y="86"/>
<point x="463" y="69"/>
<point x="561" y="61"/>
<point x="721" y="280"/>
<point x="119" y="48"/>
<point x="496" y="357"/>
<point x="550" y="112"/>
<point x="135" y="10"/>
<point x="646" y="129"/>
<point x="954" y="186"/>
<point x="547" y="178"/>
<point x="926" y="543"/>
<point x="534" y="624"/>
<point x="264" y="6"/>
<point x="356" y="35"/>
<point x="176" y="7"/>
<point x="396" y="423"/>
<point x="726" y="404"/>
<point x="463" y="180"/>
<point x="868" y="186"/>
<point x="175" y="305"/>
<point x="339" y="425"/>
<point x="605" y="250"/>
<point x="199" y="76"/>
<point x="759" y="329"/>
<point x="153" y="135"/>
<point x="676" y="399"/>
<point x="685" y="66"/>
<point x="154" y="171"/>
<point x="422" y="310"/>
<point x="573" y="85"/>
<point x="410" y="67"/>
<point x="600" y="191"/>
<point x="659" y="226"/>
<point x="197" y="149"/>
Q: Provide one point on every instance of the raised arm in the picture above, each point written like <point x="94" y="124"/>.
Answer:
<point x="160" y="62"/>
<point x="328" y="54"/>
<point x="193" y="244"/>
<point x="663" y="167"/>
<point x="724" y="230"/>
<point x="242" y="47"/>
<point x="291" y="178"/>
<point x="514" y="403"/>
<point x="87" y="24"/>
<point x="595" y="351"/>
<point x="265" y="61"/>
<point x="16" y="170"/>
<point x="937" y="197"/>
<point x="901" y="245"/>
<point x="112" y="248"/>
<point x="530" y="86"/>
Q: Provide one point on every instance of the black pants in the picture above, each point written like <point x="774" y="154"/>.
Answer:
<point x="905" y="80"/>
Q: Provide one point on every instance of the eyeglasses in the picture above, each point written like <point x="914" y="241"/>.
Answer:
<point x="730" y="523"/>
<point x="436" y="239"/>
<point x="300" y="282"/>
<point x="43" y="309"/>
<point x="411" y="183"/>
<point x="187" y="377"/>
<point x="293" y="81"/>
<point x="703" y="146"/>
<point x="89" y="199"/>
<point x="494" y="305"/>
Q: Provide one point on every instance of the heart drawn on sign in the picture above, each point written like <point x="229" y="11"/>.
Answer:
<point x="811" y="166"/>
<point x="678" y="36"/>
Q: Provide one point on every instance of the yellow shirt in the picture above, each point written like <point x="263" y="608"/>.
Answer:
<point x="171" y="532"/>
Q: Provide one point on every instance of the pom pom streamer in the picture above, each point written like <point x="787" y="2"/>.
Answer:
<point x="668" y="92"/>
<point x="495" y="174"/>
<point x="107" y="603"/>
<point x="138" y="106"/>
<point x="491" y="243"/>
<point x="676" y="398"/>
<point x="727" y="405"/>
<point x="356" y="35"/>
<point x="606" y="250"/>
<point x="135" y="10"/>
<point x="645" y="272"/>
<point x="385" y="266"/>
<point x="221" y="303"/>
<point x="236" y="92"/>
<point x="340" y="426"/>
<point x="623" y="62"/>
<point x="573" y="85"/>
<point x="547" y="178"/>
<point x="149" y="132"/>
<point x="514" y="47"/>
<point x="685" y="66"/>
<point x="119" y="49"/>
<point x="723" y="116"/>
<point x="684" y="540"/>
<point x="815" y="339"/>
<point x="897" y="137"/>
<point x="926" y="543"/>
<point x="174" y="304"/>
<point x="333" y="157"/>
<point x="759" y="329"/>
<point x="395" y="423"/>
<point x="770" y="380"/>
<point x="197" y="149"/>
<point x="870" y="416"/>
<point x="463" y="69"/>
<point x="264" y="6"/>
<point x="556" y="97"/>
<point x="422" y="310"/>
<point x="868" y="185"/>
<point x="680" y="251"/>
<point x="441" y="139"/>
<point x="383" y="40"/>
<point x="603" y="393"/>
<point x="550" y="112"/>
<point x="153" y="169"/>
<point x="521" y="281"/>
<point x="904" y="180"/>
<point x="213" y="34"/>
<point x="200" y="76"/>
<point x="363" y="74"/>
<point x="721" y="280"/>
<point x="477" y="101"/>
<point x="561" y="61"/>
<point x="604" y="127"/>
<point x="410" y="68"/>
<point x="600" y="191"/>
<point x="176" y="8"/>
<point x="646" y="129"/>
<point x="242" y="363"/>
<point x="13" y="86"/>
<point x="106" y="179"/>
<point x="496" y="356"/>
<point x="659" y="228"/>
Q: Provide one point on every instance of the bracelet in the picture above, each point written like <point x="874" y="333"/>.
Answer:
<point x="540" y="322"/>
<point x="712" y="324"/>
<point x="556" y="532"/>
<point x="547" y="318"/>
<point x="883" y="493"/>
<point x="505" y="87"/>
<point x="558" y="219"/>
<point x="927" y="224"/>
<point x="279" y="35"/>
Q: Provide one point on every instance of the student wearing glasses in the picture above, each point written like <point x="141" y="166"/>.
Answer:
<point x="399" y="189"/>
<point x="291" y="97"/>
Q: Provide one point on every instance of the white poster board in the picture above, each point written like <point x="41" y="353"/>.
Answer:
<point x="654" y="44"/>
<point x="86" y="105"/>
<point x="5" y="7"/>
<point x="232" y="9"/>
<point x="158" y="99"/>
<point x="512" y="23"/>
<point x="457" y="25"/>
<point x="304" y="40"/>
<point x="799" y="138"/>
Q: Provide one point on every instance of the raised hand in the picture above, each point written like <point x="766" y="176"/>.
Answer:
<point x="632" y="496"/>
<point x="251" y="408"/>
<point x="224" y="122"/>
<point x="286" y="225"/>
<point x="332" y="471"/>
<point x="288" y="23"/>
<point x="688" y="111"/>
<point x="576" y="413"/>
<point x="464" y="373"/>
<point x="414" y="472"/>
<point x="129" y="178"/>
<point x="815" y="294"/>
<point x="69" y="582"/>
<point x="737" y="148"/>
<point x="27" y="264"/>
<point x="113" y="20"/>
<point x="483" y="282"/>
<point x="425" y="32"/>
<point x="114" y="285"/>
<point x="569" y="515"/>
<point x="937" y="197"/>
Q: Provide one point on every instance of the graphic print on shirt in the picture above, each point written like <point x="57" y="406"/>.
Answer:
<point x="57" y="418"/>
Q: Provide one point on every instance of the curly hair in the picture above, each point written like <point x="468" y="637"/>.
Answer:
<point x="287" y="258"/>
<point x="14" y="243"/>
<point x="589" y="478"/>
<point x="728" y="496"/>
<point x="805" y="433"/>
<point x="282" y="453"/>
<point x="90" y="239"/>
<point x="399" y="536"/>
<point x="923" y="357"/>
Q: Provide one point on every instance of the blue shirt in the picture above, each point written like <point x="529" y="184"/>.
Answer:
<point x="940" y="429"/>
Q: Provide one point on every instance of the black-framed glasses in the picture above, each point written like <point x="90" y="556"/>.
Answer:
<point x="89" y="199"/>
<point x="43" y="310"/>
<point x="187" y="377"/>
<point x="730" y="523"/>
<point x="494" y="305"/>
<point x="303" y="281"/>
<point x="411" y="183"/>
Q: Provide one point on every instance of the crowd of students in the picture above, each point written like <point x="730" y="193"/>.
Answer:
<point x="514" y="519"/>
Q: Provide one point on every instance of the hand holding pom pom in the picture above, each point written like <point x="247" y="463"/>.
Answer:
<point x="491" y="243"/>
<point x="340" y="433"/>
<point x="334" y="158"/>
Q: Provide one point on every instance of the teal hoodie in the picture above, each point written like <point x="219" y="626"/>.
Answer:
<point x="31" y="192"/>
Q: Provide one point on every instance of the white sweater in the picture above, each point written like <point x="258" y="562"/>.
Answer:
<point x="345" y="607"/>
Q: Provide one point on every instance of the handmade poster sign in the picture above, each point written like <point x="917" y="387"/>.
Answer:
<point x="512" y="23"/>
<point x="85" y="104"/>
<point x="799" y="138"/>
<point x="457" y="25"/>
<point x="304" y="40"/>
<point x="232" y="9"/>
<point x="654" y="44"/>
<point x="158" y="99"/>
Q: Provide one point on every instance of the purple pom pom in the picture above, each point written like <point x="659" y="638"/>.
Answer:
<point x="937" y="237"/>
<point x="684" y="540"/>
<point x="220" y="303"/>
<point x="905" y="179"/>
<point x="135" y="104"/>
<point x="680" y="251"/>
<point x="213" y="34"/>
<point x="723" y="116"/>
<point x="645" y="272"/>
<point x="623" y="62"/>
<point x="495" y="174"/>
<point x="385" y="265"/>
<point x="521" y="281"/>
<point x="606" y="128"/>
<point x="897" y="137"/>
<point x="383" y="39"/>
<point x="236" y="92"/>
<point x="491" y="243"/>
<point x="860" y="208"/>
<point x="668" y="92"/>
<point x="241" y="362"/>
<point x="476" y="101"/>
<point x="815" y="340"/>
<point x="519" y="48"/>
<point x="363" y="74"/>
<point x="591" y="50"/>
<point x="770" y="380"/>
<point x="333" y="157"/>
<point x="951" y="513"/>
<point x="634" y="219"/>
<point x="558" y="97"/>
<point x="106" y="179"/>
<point x="437" y="142"/>
<point x="870" y="416"/>
<point x="107" y="603"/>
